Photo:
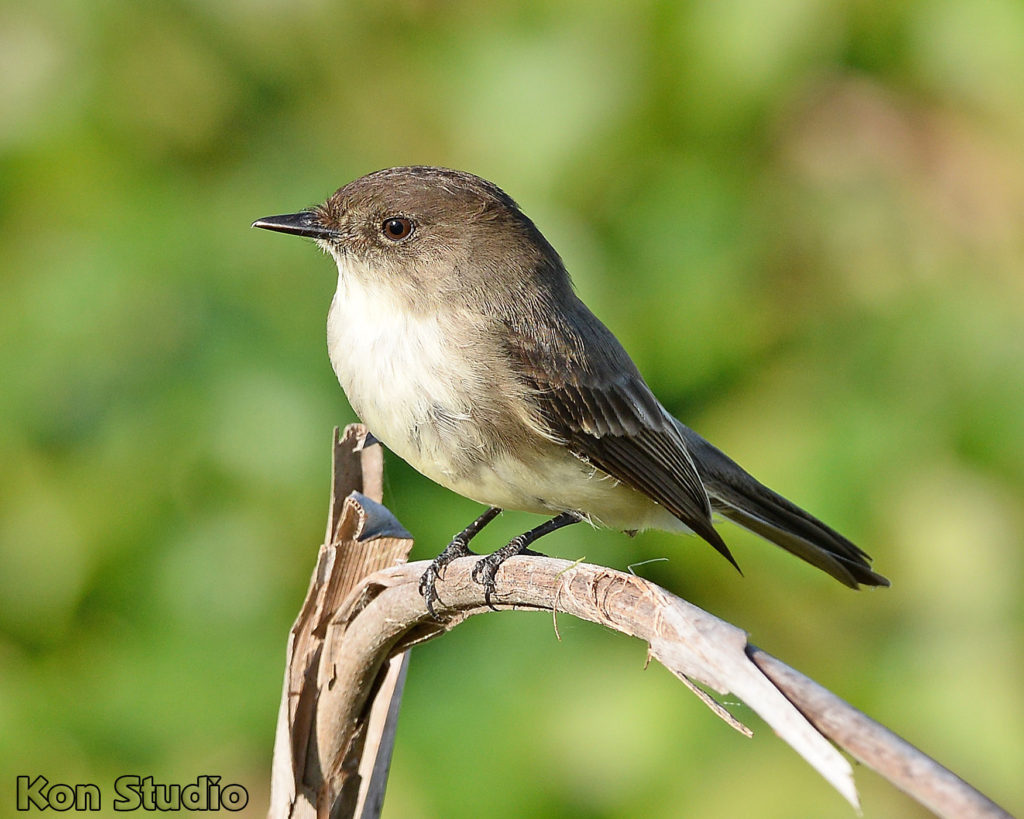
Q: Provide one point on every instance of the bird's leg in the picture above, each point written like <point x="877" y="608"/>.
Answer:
<point x="459" y="547"/>
<point x="487" y="567"/>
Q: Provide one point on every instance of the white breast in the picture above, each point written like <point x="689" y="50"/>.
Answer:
<point x="399" y="372"/>
<point x="421" y="393"/>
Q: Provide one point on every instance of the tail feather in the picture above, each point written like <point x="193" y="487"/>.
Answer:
<point x="740" y="497"/>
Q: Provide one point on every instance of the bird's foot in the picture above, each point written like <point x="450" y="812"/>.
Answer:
<point x="435" y="571"/>
<point x="486" y="568"/>
<point x="459" y="547"/>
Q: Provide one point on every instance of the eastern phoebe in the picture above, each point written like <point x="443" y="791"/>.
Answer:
<point x="458" y="339"/>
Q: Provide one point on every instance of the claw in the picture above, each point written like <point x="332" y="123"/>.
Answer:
<point x="486" y="568"/>
<point x="459" y="547"/>
<point x="435" y="571"/>
<point x="484" y="572"/>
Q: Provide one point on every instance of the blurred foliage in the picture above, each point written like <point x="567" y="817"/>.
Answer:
<point x="803" y="218"/>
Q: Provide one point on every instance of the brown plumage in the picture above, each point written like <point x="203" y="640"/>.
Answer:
<point x="458" y="338"/>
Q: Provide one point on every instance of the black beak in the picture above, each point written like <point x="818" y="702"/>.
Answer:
<point x="305" y="223"/>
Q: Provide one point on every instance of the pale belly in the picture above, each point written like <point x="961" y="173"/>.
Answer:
<point x="408" y="384"/>
<point x="425" y="399"/>
<point x="555" y="481"/>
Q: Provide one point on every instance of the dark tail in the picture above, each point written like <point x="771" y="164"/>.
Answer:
<point x="740" y="497"/>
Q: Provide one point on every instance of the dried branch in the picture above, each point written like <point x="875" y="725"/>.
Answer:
<point x="870" y="742"/>
<point x="384" y="615"/>
<point x="362" y="537"/>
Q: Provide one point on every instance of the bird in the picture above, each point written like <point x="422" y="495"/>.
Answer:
<point x="459" y="339"/>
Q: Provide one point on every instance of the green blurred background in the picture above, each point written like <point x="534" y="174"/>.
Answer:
<point x="804" y="220"/>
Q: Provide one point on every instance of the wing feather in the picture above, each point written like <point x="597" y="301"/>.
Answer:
<point x="592" y="397"/>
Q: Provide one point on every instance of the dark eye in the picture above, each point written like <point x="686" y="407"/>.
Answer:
<point x="396" y="228"/>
